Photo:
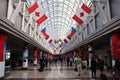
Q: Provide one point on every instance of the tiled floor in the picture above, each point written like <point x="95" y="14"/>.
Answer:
<point x="53" y="72"/>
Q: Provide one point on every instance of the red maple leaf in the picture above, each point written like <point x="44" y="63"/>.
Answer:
<point x="81" y="14"/>
<point x="37" y="14"/>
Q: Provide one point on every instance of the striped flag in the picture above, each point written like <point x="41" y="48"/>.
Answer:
<point x="50" y="41"/>
<point x="51" y="45"/>
<point x="73" y="31"/>
<point x="64" y="44"/>
<point x="44" y="33"/>
<point x="83" y="14"/>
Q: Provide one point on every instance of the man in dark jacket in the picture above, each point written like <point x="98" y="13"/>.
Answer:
<point x="42" y="64"/>
<point x="93" y="67"/>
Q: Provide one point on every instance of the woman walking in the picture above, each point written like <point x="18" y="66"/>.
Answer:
<point x="79" y="65"/>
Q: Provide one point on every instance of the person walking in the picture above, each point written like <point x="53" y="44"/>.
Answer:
<point x="93" y="67"/>
<point x="68" y="60"/>
<point x="116" y="70"/>
<point x="101" y="65"/>
<point x="84" y="66"/>
<point x="42" y="64"/>
<point x="71" y="61"/>
<point x="79" y="65"/>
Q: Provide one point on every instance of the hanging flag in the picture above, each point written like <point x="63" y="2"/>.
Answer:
<point x="41" y="19"/>
<point x="50" y="41"/>
<point x="73" y="31"/>
<point x="83" y="14"/>
<point x="36" y="13"/>
<point x="52" y="45"/>
<point x="70" y="35"/>
<point x="65" y="40"/>
<point x="44" y="33"/>
<point x="64" y="44"/>
<point x="32" y="8"/>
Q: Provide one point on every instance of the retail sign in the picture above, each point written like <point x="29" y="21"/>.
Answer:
<point x="115" y="45"/>
<point x="36" y="53"/>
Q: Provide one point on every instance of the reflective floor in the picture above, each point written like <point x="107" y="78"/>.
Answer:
<point x="54" y="72"/>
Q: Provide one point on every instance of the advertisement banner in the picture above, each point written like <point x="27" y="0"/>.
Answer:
<point x="2" y="46"/>
<point x="115" y="45"/>
<point x="25" y="57"/>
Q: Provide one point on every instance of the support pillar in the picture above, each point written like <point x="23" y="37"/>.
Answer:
<point x="80" y="53"/>
<point x="3" y="40"/>
<point x="25" y="57"/>
<point x="35" y="56"/>
<point x="90" y="54"/>
<point x="74" y="53"/>
<point x="41" y="54"/>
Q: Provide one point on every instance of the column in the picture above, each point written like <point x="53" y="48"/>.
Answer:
<point x="74" y="53"/>
<point x="3" y="40"/>
<point x="35" y="56"/>
<point x="79" y="53"/>
<point x="40" y="54"/>
<point x="90" y="55"/>
<point x="25" y="57"/>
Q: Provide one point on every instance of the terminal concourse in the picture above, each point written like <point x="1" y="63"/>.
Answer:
<point x="59" y="39"/>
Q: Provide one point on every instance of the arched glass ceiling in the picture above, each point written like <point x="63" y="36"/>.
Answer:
<point x="59" y="14"/>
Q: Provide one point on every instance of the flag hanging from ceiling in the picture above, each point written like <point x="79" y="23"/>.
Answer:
<point x="44" y="33"/>
<point x="83" y="14"/>
<point x="50" y="41"/>
<point x="36" y="13"/>
<point x="41" y="19"/>
<point x="51" y="45"/>
<point x="65" y="40"/>
<point x="64" y="44"/>
<point x="73" y="31"/>
<point x="33" y="7"/>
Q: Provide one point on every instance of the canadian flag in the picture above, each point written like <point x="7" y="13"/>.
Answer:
<point x="83" y="13"/>
<point x="49" y="40"/>
<point x="34" y="10"/>
<point x="65" y="40"/>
